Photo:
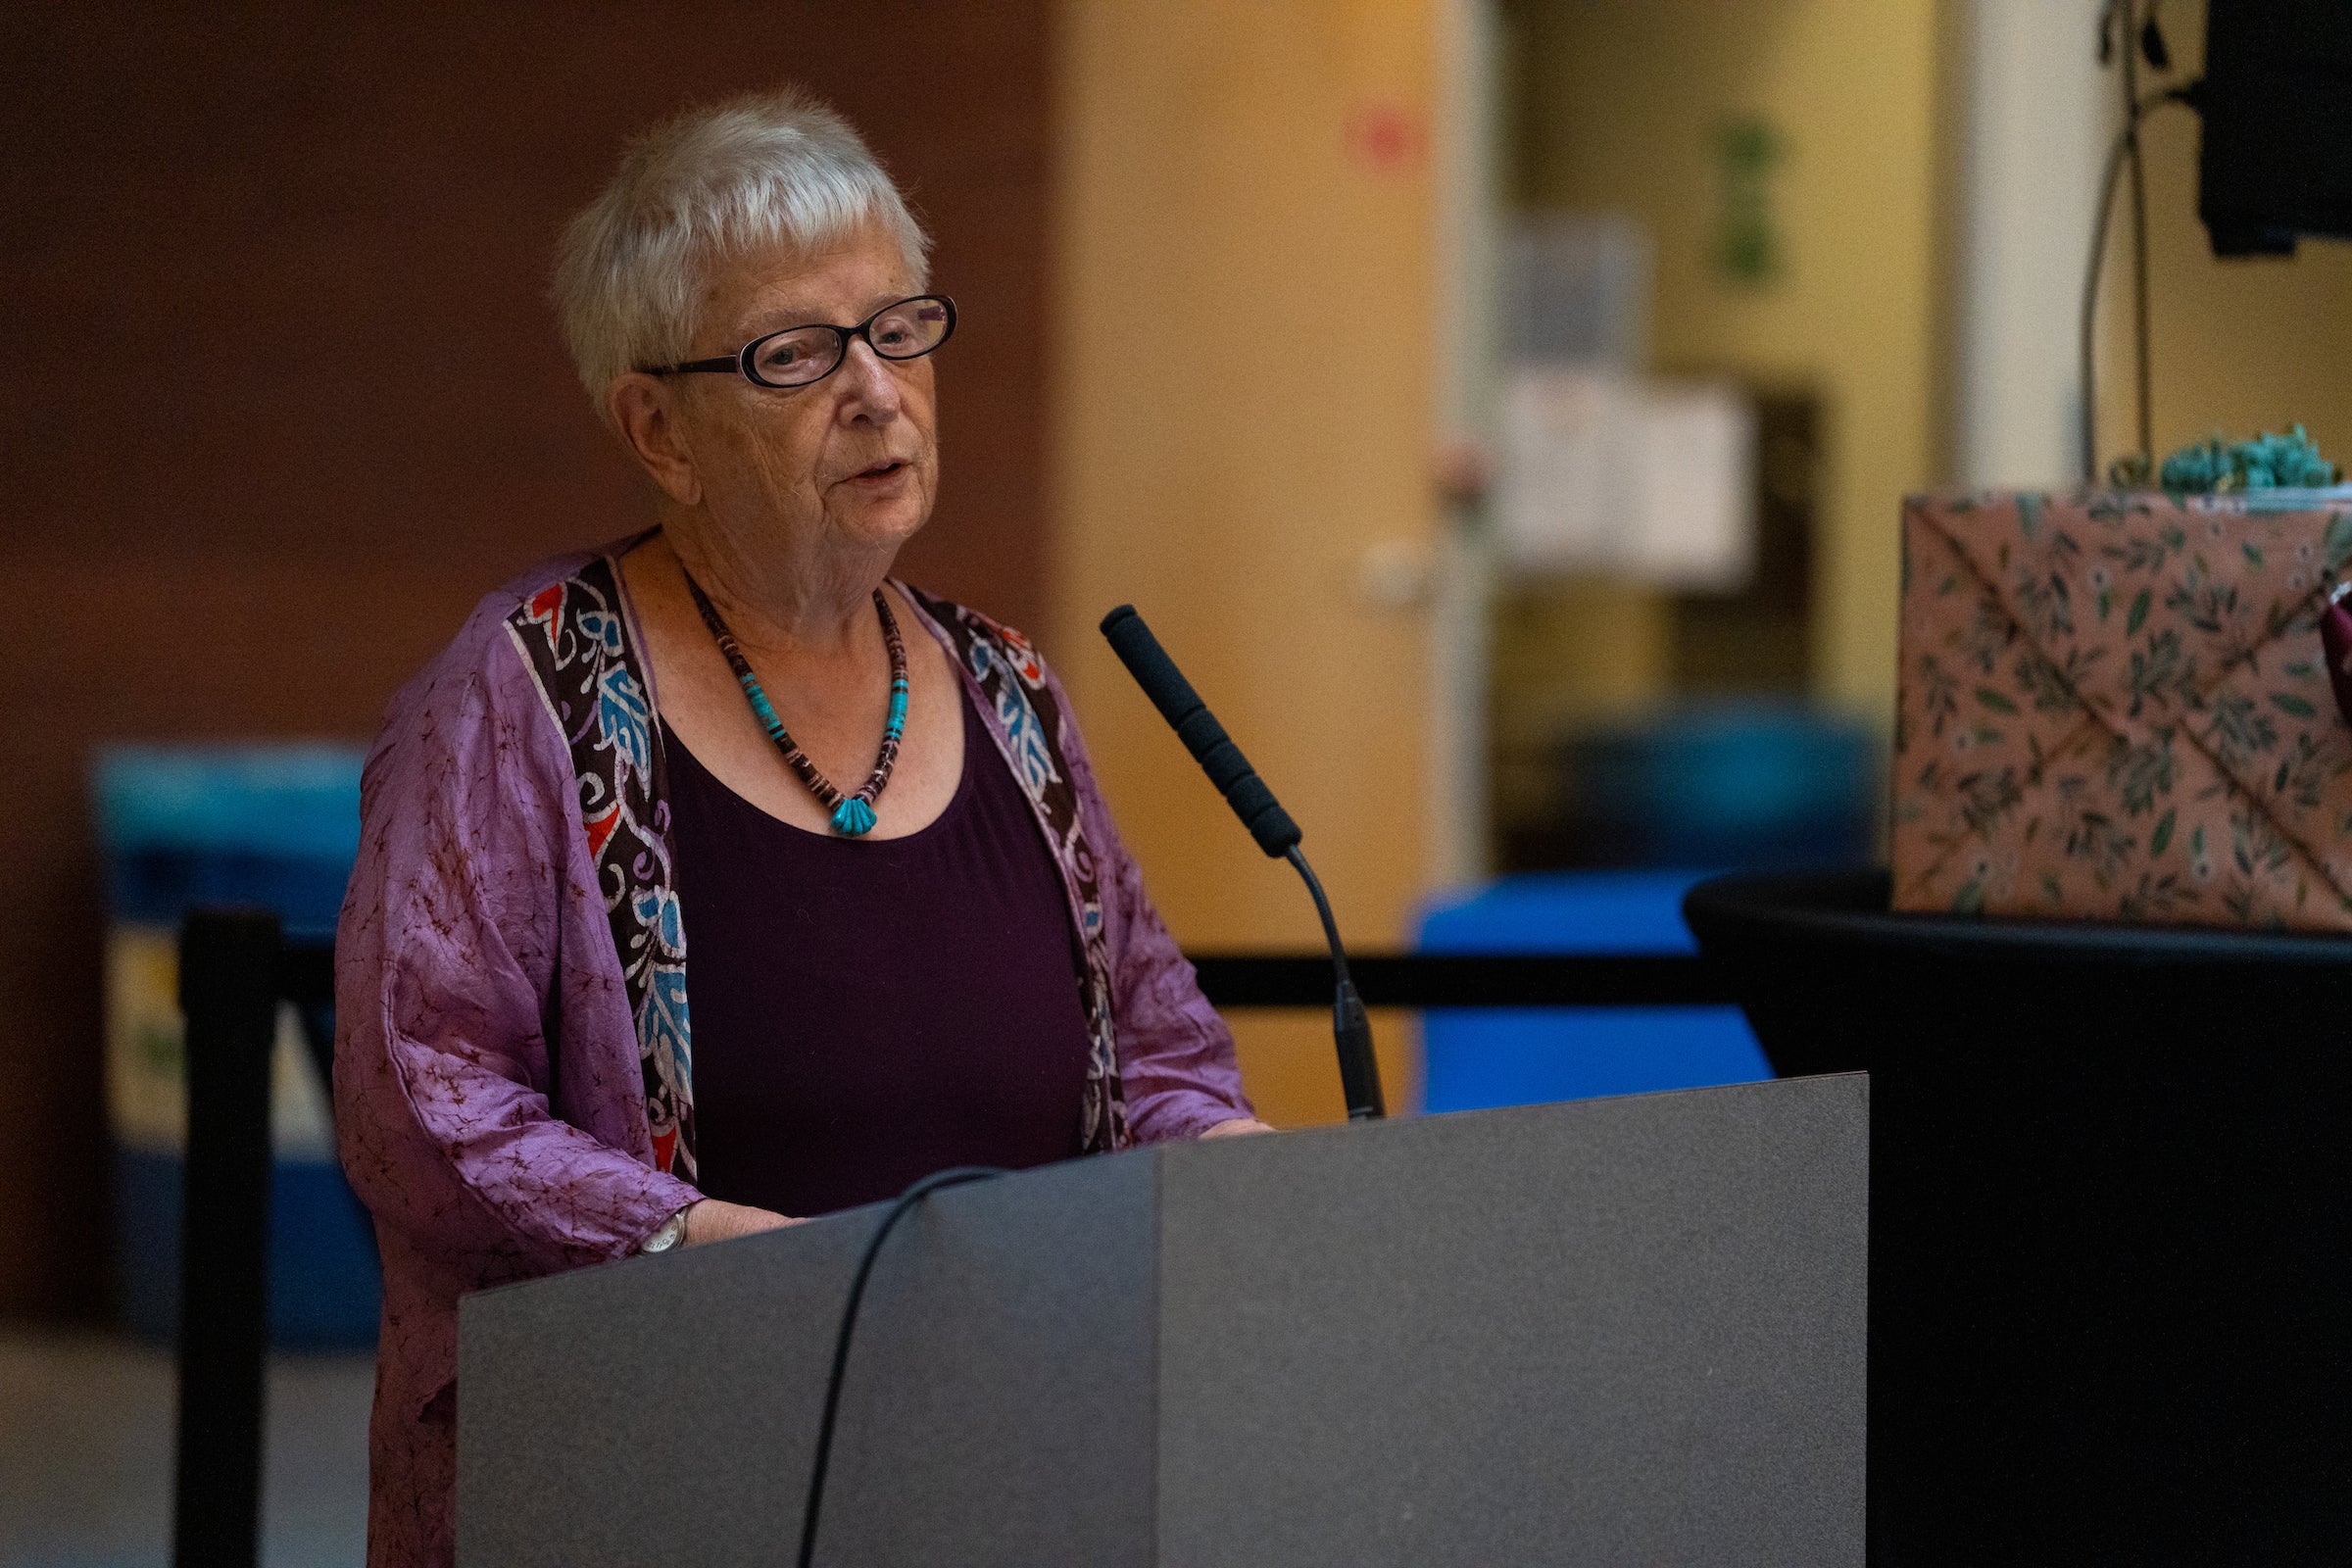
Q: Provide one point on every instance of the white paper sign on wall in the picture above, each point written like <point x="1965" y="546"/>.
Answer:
<point x="1606" y="476"/>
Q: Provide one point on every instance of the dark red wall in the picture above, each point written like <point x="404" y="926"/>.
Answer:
<point x="280" y="395"/>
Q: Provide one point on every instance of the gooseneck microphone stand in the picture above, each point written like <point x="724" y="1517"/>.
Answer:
<point x="1351" y="1025"/>
<point x="1268" y="824"/>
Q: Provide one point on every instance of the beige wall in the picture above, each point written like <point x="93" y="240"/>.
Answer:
<point x="2238" y="346"/>
<point x="1619" y="104"/>
<point x="1243" y="403"/>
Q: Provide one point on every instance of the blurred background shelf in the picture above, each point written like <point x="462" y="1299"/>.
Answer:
<point x="273" y="825"/>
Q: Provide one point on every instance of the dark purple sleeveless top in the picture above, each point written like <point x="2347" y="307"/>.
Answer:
<point x="867" y="1012"/>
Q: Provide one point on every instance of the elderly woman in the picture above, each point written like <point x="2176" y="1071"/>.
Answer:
<point x="916" y="940"/>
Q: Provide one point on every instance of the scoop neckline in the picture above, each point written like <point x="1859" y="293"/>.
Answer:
<point x="964" y="787"/>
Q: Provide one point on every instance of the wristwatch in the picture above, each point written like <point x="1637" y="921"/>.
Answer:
<point x="672" y="1233"/>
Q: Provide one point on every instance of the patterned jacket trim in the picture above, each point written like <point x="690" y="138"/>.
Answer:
<point x="576" y="639"/>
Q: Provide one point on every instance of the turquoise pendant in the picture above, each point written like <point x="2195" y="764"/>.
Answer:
<point x="852" y="817"/>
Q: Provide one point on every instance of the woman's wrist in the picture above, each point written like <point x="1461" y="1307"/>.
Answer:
<point x="1238" y="1127"/>
<point x="713" y="1219"/>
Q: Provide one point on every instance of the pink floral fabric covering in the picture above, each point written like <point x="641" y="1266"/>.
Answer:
<point x="2116" y="707"/>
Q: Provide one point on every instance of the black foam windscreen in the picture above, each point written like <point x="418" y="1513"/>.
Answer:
<point x="1195" y="725"/>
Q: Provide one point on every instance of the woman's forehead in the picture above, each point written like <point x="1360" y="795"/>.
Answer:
<point x="840" y="283"/>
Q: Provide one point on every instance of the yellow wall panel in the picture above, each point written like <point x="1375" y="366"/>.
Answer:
<point x="1244" y="383"/>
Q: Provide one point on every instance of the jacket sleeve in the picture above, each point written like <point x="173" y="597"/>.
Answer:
<point x="1176" y="1058"/>
<point x="446" y="960"/>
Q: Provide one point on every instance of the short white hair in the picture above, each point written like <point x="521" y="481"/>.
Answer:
<point x="766" y="169"/>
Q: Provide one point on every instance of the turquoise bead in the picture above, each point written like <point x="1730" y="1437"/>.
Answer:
<point x="852" y="817"/>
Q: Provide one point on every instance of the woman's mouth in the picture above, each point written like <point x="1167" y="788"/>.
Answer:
<point x="880" y="472"/>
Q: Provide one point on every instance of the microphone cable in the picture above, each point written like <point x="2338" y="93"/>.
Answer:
<point x="904" y="1204"/>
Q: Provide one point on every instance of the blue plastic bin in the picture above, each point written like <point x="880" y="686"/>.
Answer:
<point x="273" y="825"/>
<point x="1477" y="1057"/>
<point x="1747" y="785"/>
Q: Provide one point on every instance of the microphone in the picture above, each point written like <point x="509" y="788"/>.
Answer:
<point x="1268" y="824"/>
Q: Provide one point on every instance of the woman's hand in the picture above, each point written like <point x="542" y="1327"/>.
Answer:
<point x="713" y="1221"/>
<point x="1239" y="1126"/>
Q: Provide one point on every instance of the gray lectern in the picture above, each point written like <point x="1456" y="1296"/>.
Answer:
<point x="1611" y="1331"/>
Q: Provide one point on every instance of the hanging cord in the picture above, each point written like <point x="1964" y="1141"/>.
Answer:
<point x="2116" y="30"/>
<point x="2089" y="343"/>
<point x="2139" y="233"/>
<point x="2116" y="154"/>
<point x="905" y="1203"/>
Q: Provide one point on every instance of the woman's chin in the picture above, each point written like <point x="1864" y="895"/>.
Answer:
<point x="888" y="519"/>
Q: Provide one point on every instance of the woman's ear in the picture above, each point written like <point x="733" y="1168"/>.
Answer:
<point x="645" y="411"/>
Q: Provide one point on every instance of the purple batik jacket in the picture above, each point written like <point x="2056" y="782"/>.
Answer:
<point x="514" y="1052"/>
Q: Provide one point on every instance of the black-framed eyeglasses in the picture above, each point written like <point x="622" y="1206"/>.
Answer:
<point x="803" y="355"/>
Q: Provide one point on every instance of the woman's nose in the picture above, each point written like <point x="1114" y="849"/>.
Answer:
<point x="873" y="392"/>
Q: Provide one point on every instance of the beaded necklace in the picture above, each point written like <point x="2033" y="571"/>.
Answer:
<point x="852" y="814"/>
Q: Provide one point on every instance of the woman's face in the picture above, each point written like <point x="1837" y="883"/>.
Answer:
<point x="853" y="456"/>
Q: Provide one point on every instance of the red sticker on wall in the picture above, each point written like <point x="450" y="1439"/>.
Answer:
<point x="1388" y="136"/>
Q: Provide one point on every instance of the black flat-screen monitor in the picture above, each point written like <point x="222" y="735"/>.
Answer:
<point x="2276" y="99"/>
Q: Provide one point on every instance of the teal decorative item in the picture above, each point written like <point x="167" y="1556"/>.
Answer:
<point x="2213" y="466"/>
<point x="852" y="817"/>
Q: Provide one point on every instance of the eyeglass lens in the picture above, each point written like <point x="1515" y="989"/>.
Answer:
<point x="907" y="331"/>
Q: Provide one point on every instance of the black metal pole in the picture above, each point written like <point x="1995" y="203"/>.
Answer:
<point x="229" y="995"/>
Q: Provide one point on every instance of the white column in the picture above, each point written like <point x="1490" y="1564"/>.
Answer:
<point x="1459" y="638"/>
<point x="2035" y="119"/>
